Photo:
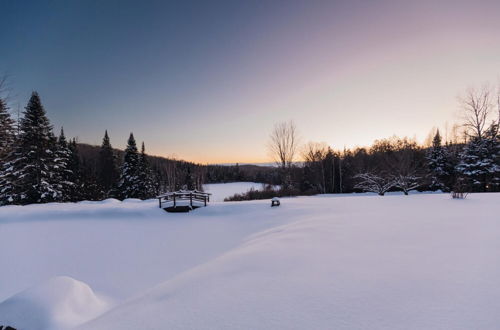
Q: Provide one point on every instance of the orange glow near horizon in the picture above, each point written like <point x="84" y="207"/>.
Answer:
<point x="207" y="83"/>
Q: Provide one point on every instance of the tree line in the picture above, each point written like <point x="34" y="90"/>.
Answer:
<point x="36" y="166"/>
<point x="470" y="165"/>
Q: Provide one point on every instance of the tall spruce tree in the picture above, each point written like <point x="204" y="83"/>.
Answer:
<point x="189" y="181"/>
<point x="75" y="171"/>
<point x="30" y="170"/>
<point x="7" y="137"/>
<point x="64" y="177"/>
<point x="129" y="185"/>
<point x="146" y="182"/>
<point x="439" y="165"/>
<point x="107" y="170"/>
<point x="7" y="130"/>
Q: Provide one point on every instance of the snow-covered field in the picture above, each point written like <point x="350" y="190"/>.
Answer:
<point x="327" y="262"/>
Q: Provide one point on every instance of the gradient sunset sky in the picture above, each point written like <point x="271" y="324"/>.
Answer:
<point x="206" y="80"/>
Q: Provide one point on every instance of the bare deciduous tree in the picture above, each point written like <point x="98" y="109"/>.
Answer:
<point x="314" y="151"/>
<point x="406" y="182"/>
<point x="370" y="182"/>
<point x="314" y="154"/>
<point x="476" y="106"/>
<point x="283" y="143"/>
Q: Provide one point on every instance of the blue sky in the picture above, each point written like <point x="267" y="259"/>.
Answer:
<point x="207" y="80"/>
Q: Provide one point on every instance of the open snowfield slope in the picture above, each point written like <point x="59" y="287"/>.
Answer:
<point x="326" y="262"/>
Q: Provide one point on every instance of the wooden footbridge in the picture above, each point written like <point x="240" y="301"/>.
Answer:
<point x="183" y="200"/>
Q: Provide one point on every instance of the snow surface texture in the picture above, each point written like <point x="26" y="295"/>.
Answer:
<point x="220" y="191"/>
<point x="59" y="303"/>
<point x="355" y="262"/>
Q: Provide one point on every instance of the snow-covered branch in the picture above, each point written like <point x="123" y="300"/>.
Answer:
<point x="370" y="182"/>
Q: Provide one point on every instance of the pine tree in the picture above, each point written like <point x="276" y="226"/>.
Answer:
<point x="30" y="170"/>
<point x="479" y="165"/>
<point x="145" y="175"/>
<point x="107" y="170"/>
<point x="439" y="165"/>
<point x="189" y="182"/>
<point x="7" y="137"/>
<point x="6" y="130"/>
<point x="129" y="185"/>
<point x="90" y="188"/>
<point x="63" y="176"/>
<point x="76" y="173"/>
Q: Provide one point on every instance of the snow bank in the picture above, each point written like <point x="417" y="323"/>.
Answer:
<point x="59" y="303"/>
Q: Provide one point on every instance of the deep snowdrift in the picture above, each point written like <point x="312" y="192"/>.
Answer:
<point x="59" y="303"/>
<point x="326" y="262"/>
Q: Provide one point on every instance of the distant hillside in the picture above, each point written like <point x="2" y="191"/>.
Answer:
<point x="172" y="172"/>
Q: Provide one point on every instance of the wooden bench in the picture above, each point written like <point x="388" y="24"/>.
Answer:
<point x="275" y="201"/>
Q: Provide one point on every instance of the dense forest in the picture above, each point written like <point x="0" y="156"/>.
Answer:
<point x="38" y="166"/>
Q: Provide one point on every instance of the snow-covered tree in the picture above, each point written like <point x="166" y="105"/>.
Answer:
<point x="107" y="171"/>
<point x="189" y="182"/>
<point x="29" y="173"/>
<point x="64" y="177"/>
<point x="406" y="182"/>
<point x="371" y="182"/>
<point x="438" y="163"/>
<point x="7" y="130"/>
<point x="7" y="137"/>
<point x="129" y="185"/>
<point x="146" y="183"/>
<point x="74" y="166"/>
<point x="479" y="163"/>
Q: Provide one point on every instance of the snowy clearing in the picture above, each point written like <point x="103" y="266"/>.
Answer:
<point x="395" y="262"/>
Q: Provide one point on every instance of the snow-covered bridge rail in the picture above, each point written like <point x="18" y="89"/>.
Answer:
<point x="183" y="200"/>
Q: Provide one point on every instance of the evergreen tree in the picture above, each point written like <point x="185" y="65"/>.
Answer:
<point x="479" y="163"/>
<point x="30" y="168"/>
<point x="6" y="130"/>
<point x="107" y="169"/>
<point x="439" y="165"/>
<point x="90" y="188"/>
<point x="64" y="177"/>
<point x="145" y="176"/>
<point x="129" y="185"/>
<point x="7" y="138"/>
<point x="76" y="173"/>
<point x="189" y="182"/>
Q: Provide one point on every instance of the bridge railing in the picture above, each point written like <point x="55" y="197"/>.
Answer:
<point x="190" y="195"/>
